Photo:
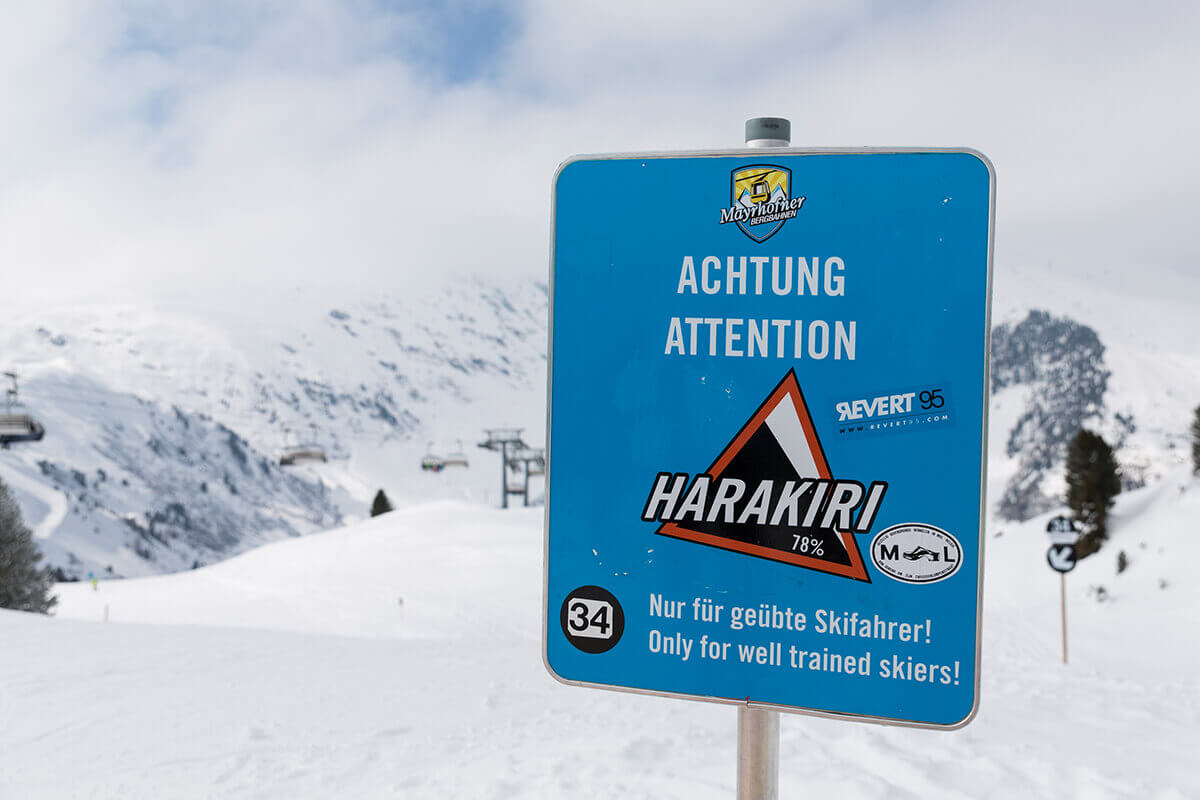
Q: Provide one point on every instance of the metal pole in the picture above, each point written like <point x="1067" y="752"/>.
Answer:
<point x="758" y="754"/>
<point x="1062" y="596"/>
<point x="10" y="397"/>
<point x="768" y="132"/>
<point x="758" y="729"/>
<point x="504" y="474"/>
<point x="526" y="491"/>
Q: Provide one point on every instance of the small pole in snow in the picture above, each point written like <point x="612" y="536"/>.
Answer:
<point x="1062" y="595"/>
<point x="758" y="729"/>
<point x="1064" y="535"/>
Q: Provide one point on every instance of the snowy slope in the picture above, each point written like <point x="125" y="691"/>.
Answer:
<point x="344" y="690"/>
<point x="426" y="572"/>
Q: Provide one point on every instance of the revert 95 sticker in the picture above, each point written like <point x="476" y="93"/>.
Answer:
<point x="917" y="408"/>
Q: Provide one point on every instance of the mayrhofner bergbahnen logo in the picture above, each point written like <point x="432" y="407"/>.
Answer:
<point x="761" y="200"/>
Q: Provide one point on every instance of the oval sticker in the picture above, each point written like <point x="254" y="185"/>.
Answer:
<point x="913" y="552"/>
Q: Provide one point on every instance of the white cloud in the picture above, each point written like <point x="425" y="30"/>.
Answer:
<point x="190" y="152"/>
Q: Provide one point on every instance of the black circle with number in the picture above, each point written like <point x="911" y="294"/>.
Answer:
<point x="592" y="619"/>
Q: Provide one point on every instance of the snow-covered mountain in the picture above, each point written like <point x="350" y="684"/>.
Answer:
<point x="164" y="428"/>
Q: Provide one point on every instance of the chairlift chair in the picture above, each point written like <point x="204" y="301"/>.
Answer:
<point x="456" y="459"/>
<point x="431" y="462"/>
<point x="19" y="428"/>
<point x="303" y="454"/>
<point x="530" y="460"/>
<point x="294" y="454"/>
<point x="16" y="427"/>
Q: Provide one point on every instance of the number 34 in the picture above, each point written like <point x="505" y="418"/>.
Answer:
<point x="584" y="617"/>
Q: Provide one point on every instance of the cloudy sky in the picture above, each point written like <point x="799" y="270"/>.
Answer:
<point x="201" y="149"/>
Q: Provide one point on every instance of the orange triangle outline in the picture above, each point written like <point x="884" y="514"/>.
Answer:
<point x="789" y="386"/>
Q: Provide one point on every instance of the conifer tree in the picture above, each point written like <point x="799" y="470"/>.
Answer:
<point x="1093" y="481"/>
<point x="24" y="586"/>
<point x="381" y="504"/>
<point x="1196" y="443"/>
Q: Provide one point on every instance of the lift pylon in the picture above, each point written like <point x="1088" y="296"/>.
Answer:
<point x="505" y="441"/>
<point x="531" y="461"/>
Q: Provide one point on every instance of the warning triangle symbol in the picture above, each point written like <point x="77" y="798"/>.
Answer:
<point x="777" y="451"/>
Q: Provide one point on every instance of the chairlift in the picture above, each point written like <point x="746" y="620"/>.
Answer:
<point x="431" y="462"/>
<point x="19" y="428"/>
<point x="302" y="455"/>
<point x="531" y="459"/>
<point x="16" y="427"/>
<point x="294" y="454"/>
<point x="456" y="459"/>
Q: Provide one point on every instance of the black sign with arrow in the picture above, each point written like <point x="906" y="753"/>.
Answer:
<point x="1061" y="557"/>
<point x="1064" y="533"/>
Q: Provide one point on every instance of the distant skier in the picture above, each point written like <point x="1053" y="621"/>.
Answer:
<point x="95" y="583"/>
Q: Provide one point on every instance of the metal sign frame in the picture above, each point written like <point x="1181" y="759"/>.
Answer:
<point x="765" y="153"/>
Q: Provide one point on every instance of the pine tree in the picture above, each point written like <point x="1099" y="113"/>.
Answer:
<point x="1196" y="443"/>
<point x="1093" y="481"/>
<point x="381" y="504"/>
<point x="24" y="585"/>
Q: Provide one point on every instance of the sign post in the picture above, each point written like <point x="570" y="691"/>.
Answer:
<point x="784" y="353"/>
<point x="1063" y="534"/>
<point x="1062" y="605"/>
<point x="758" y="754"/>
<point x="758" y="728"/>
